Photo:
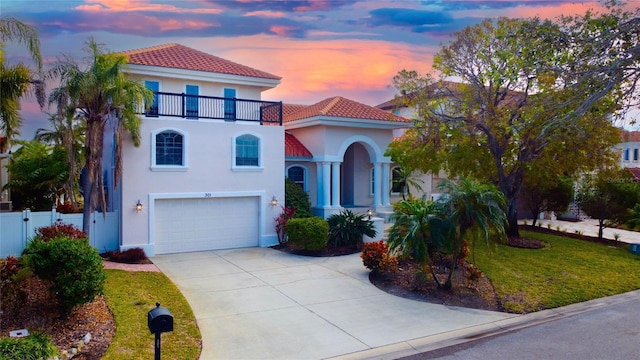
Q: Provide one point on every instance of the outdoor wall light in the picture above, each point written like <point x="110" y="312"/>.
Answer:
<point x="138" y="206"/>
<point x="274" y="201"/>
<point x="369" y="213"/>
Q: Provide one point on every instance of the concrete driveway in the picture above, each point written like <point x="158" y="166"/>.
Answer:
<point x="260" y="303"/>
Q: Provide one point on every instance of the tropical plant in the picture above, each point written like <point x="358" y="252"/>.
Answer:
<point x="430" y="231"/>
<point x="38" y="173"/>
<point x="67" y="132"/>
<point x="17" y="80"/>
<point x="281" y="223"/>
<point x="418" y="230"/>
<point x="347" y="228"/>
<point x="376" y="257"/>
<point x="100" y="94"/>
<point x="404" y="179"/>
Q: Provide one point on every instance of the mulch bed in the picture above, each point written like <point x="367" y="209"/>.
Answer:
<point x="38" y="312"/>
<point x="594" y="239"/>
<point x="326" y="252"/>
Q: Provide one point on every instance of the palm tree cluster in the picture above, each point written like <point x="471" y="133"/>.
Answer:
<point x="428" y="232"/>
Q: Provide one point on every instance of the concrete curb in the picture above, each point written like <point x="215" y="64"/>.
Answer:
<point x="517" y="322"/>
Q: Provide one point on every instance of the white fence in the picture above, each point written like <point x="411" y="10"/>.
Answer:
<point x="17" y="229"/>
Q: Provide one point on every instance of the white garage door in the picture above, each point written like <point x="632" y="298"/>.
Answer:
<point x="183" y="225"/>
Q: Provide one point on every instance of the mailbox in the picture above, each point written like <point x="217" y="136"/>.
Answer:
<point x="160" y="320"/>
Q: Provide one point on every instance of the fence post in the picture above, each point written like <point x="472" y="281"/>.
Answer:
<point x="26" y="228"/>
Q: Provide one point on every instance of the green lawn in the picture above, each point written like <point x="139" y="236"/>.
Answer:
<point x="130" y="296"/>
<point x="566" y="272"/>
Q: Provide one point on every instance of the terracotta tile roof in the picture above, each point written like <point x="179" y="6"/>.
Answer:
<point x="181" y="57"/>
<point x="629" y="136"/>
<point x="294" y="148"/>
<point x="340" y="107"/>
<point x="635" y="172"/>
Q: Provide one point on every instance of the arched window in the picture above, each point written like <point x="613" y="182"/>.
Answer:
<point x="298" y="175"/>
<point x="168" y="150"/>
<point x="169" y="147"/>
<point x="247" y="151"/>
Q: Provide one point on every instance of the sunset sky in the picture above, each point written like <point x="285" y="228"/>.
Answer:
<point x="320" y="48"/>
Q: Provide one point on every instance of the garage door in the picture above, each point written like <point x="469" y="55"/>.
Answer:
<point x="183" y="225"/>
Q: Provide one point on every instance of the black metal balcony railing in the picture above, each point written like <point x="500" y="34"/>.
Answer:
<point x="211" y="107"/>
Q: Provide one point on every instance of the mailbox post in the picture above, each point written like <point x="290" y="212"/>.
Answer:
<point x="159" y="320"/>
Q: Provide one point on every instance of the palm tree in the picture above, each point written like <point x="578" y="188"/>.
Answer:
<point x="68" y="134"/>
<point x="17" y="80"/>
<point x="478" y="212"/>
<point x="404" y="179"/>
<point x="100" y="94"/>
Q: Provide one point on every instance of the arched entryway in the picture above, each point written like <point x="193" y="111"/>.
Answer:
<point x="356" y="189"/>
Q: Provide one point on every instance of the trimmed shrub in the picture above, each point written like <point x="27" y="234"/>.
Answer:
<point x="59" y="229"/>
<point x="347" y="228"/>
<point x="375" y="257"/>
<point x="296" y="197"/>
<point x="311" y="233"/>
<point x="72" y="265"/>
<point x="129" y="256"/>
<point x="34" y="347"/>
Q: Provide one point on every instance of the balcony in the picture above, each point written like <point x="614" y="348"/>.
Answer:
<point x="196" y="107"/>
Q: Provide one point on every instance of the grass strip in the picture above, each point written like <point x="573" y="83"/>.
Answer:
<point x="567" y="271"/>
<point x="130" y="296"/>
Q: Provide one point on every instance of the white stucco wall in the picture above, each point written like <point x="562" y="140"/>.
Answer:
<point x="631" y="146"/>
<point x="209" y="147"/>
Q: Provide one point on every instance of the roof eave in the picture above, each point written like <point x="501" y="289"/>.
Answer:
<point x="194" y="75"/>
<point x="346" y="122"/>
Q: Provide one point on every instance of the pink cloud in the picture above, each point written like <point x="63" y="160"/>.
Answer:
<point x="137" y="6"/>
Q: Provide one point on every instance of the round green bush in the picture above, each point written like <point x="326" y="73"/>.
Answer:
<point x="311" y="233"/>
<point x="73" y="266"/>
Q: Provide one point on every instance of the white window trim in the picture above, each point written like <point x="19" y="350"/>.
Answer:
<point x="235" y="167"/>
<point x="305" y="172"/>
<point x="185" y="152"/>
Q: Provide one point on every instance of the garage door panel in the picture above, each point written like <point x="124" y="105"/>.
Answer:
<point x="183" y="225"/>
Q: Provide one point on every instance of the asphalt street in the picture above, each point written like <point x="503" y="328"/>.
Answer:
<point x="609" y="332"/>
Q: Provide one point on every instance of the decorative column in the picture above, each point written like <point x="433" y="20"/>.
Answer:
<point x="385" y="184"/>
<point x="319" y="188"/>
<point x="335" y="184"/>
<point x="326" y="183"/>
<point x="377" y="179"/>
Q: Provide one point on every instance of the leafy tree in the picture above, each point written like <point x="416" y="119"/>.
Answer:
<point x="17" y="80"/>
<point x="607" y="198"/>
<point x="547" y="196"/>
<point x="38" y="172"/>
<point x="99" y="94"/>
<point x="533" y="95"/>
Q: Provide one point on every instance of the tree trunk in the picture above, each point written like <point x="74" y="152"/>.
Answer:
<point x="512" y="217"/>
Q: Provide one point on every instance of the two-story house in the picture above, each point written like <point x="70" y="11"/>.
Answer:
<point x="629" y="148"/>
<point x="209" y="172"/>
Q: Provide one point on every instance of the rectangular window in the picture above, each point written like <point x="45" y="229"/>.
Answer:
<point x="635" y="154"/>
<point x="192" y="101"/>
<point x="230" y="104"/>
<point x="154" y="109"/>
